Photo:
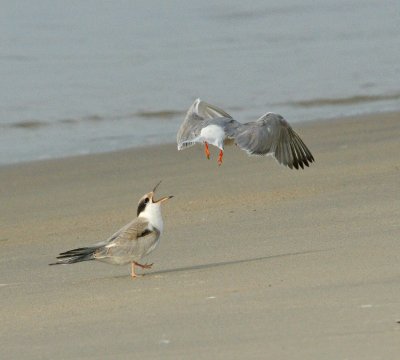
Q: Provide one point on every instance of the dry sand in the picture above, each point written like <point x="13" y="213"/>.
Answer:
<point x="256" y="262"/>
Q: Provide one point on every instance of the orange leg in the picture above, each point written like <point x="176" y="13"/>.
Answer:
<point x="144" y="266"/>
<point x="206" y="150"/>
<point x="133" y="274"/>
<point x="220" y="156"/>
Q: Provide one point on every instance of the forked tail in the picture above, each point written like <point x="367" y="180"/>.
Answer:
<point x="76" y="255"/>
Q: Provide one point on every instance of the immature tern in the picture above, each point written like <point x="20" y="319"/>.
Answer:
<point x="271" y="134"/>
<point x="129" y="244"/>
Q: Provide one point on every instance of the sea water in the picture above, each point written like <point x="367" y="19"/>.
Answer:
<point x="91" y="76"/>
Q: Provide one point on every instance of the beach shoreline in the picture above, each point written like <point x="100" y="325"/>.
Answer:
<point x="255" y="259"/>
<point x="295" y="125"/>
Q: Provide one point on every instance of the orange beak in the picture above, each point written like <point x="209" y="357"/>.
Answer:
<point x="164" y="199"/>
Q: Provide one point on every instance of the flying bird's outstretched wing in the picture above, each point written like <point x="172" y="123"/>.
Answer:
<point x="269" y="135"/>
<point x="272" y="135"/>
<point x="195" y="120"/>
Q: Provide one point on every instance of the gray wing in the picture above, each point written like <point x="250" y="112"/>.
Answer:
<point x="196" y="118"/>
<point x="131" y="242"/>
<point x="272" y="135"/>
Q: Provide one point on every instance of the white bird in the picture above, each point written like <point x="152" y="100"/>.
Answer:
<point x="271" y="134"/>
<point x="129" y="244"/>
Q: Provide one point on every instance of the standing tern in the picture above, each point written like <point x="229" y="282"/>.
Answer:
<point x="271" y="134"/>
<point x="129" y="244"/>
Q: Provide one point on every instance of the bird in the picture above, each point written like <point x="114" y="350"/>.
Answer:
<point x="130" y="243"/>
<point x="271" y="135"/>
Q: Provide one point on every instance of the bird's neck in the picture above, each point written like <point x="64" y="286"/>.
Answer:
<point x="153" y="215"/>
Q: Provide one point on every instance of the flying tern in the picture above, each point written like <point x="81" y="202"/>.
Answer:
<point x="271" y="135"/>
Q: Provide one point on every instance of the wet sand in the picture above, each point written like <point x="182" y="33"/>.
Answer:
<point x="257" y="261"/>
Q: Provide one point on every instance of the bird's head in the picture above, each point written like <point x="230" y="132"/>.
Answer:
<point x="148" y="203"/>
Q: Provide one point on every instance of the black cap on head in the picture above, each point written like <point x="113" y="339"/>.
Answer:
<point x="142" y="204"/>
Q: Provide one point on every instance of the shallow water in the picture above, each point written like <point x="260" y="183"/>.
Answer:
<point x="97" y="76"/>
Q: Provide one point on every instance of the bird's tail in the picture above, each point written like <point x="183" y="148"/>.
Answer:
<point x="76" y="255"/>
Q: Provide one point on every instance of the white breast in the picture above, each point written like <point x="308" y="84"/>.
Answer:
<point x="214" y="135"/>
<point x="152" y="214"/>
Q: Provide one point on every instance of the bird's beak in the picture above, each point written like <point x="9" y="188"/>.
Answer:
<point x="164" y="199"/>
<point x="155" y="187"/>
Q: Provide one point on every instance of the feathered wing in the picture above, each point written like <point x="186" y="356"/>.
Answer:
<point x="132" y="242"/>
<point x="208" y="111"/>
<point x="198" y="113"/>
<point x="272" y="135"/>
<point x="135" y="237"/>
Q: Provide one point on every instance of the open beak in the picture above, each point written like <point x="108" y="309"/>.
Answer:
<point x="162" y="199"/>
<point x="155" y="187"/>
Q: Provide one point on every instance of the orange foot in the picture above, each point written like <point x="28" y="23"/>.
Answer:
<point x="220" y="156"/>
<point x="144" y="266"/>
<point x="206" y="150"/>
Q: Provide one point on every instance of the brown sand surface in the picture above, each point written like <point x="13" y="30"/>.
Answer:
<point x="256" y="262"/>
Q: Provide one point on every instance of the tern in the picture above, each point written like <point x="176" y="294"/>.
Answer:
<point x="271" y="135"/>
<point x="129" y="244"/>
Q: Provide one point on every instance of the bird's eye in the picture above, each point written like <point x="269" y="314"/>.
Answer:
<point x="146" y="200"/>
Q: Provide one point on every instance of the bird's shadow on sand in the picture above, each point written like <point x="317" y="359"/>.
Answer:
<point x="222" y="263"/>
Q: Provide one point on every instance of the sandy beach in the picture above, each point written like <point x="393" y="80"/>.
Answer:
<point x="256" y="262"/>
